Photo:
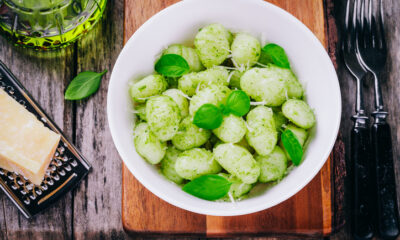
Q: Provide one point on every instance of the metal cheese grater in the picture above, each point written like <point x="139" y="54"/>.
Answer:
<point x="65" y="171"/>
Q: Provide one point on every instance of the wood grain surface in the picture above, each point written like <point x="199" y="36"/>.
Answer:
<point x="46" y="76"/>
<point x="308" y="213"/>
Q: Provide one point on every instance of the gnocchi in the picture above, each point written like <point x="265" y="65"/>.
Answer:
<point x="263" y="85"/>
<point x="149" y="86"/>
<point x="232" y="129"/>
<point x="188" y="53"/>
<point x="140" y="111"/>
<point x="298" y="112"/>
<point x="163" y="116"/>
<point x="168" y="165"/>
<point x="246" y="50"/>
<point x="273" y="166"/>
<point x="238" y="162"/>
<point x="244" y="145"/>
<point x="213" y="44"/>
<point x="189" y="135"/>
<point x="148" y="145"/>
<point x="213" y="94"/>
<point x="234" y="81"/>
<point x="261" y="133"/>
<point x="293" y="86"/>
<point x="196" y="162"/>
<point x="192" y="82"/>
<point x="179" y="99"/>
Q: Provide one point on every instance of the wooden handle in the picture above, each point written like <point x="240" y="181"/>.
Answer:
<point x="360" y="157"/>
<point x="387" y="217"/>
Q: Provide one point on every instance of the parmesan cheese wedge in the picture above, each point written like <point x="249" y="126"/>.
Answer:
<point x="26" y="145"/>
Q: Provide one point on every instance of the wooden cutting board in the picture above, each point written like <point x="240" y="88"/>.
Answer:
<point x="308" y="213"/>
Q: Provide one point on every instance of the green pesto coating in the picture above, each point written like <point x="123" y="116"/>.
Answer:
<point x="191" y="82"/>
<point x="213" y="94"/>
<point x="168" y="165"/>
<point x="293" y="86"/>
<point x="163" y="116"/>
<point x="246" y="50"/>
<point x="237" y="161"/>
<point x="189" y="135"/>
<point x="180" y="99"/>
<point x="261" y="133"/>
<point x="298" y="112"/>
<point x="234" y="82"/>
<point x="273" y="166"/>
<point x="238" y="188"/>
<point x="149" y="86"/>
<point x="196" y="162"/>
<point x="280" y="120"/>
<point x="212" y="44"/>
<point x="148" y="145"/>
<point x="141" y="111"/>
<point x="264" y="85"/>
<point x="188" y="53"/>
<point x="232" y="129"/>
<point x="245" y="144"/>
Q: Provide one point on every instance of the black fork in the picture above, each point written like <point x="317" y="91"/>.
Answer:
<point x="372" y="51"/>
<point x="360" y="137"/>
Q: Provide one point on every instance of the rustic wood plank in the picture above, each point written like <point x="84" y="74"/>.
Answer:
<point x="391" y="80"/>
<point x="3" y="226"/>
<point x="338" y="153"/>
<point x="390" y="89"/>
<point x="97" y="202"/>
<point x="44" y="75"/>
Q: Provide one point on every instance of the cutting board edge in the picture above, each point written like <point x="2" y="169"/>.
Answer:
<point x="283" y="233"/>
<point x="326" y="231"/>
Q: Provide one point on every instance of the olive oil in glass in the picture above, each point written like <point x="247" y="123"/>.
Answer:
<point x="48" y="24"/>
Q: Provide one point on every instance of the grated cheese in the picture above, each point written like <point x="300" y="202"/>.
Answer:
<point x="257" y="103"/>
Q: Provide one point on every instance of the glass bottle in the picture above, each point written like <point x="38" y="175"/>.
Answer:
<point x="48" y="24"/>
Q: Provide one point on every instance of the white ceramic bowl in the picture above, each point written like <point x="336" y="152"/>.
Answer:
<point x="179" y="23"/>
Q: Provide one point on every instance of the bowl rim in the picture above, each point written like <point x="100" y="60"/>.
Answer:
<point x="251" y="209"/>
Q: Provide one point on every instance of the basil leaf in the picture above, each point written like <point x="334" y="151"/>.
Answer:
<point x="277" y="54"/>
<point x="224" y="110"/>
<point x="292" y="146"/>
<point x="83" y="85"/>
<point x="208" y="117"/>
<point x="238" y="103"/>
<point x="172" y="65"/>
<point x="265" y="58"/>
<point x="208" y="187"/>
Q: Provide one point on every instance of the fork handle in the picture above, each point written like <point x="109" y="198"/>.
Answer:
<point x="362" y="219"/>
<point x="388" y="222"/>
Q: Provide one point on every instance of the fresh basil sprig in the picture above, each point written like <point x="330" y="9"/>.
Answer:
<point x="238" y="103"/>
<point x="208" y="187"/>
<point x="208" y="117"/>
<point x="292" y="146"/>
<point x="83" y="85"/>
<point x="275" y="54"/>
<point x="172" y="65"/>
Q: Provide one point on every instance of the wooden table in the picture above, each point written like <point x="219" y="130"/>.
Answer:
<point x="93" y="210"/>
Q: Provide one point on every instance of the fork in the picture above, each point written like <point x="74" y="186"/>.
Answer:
<point x="372" y="51"/>
<point x="360" y="136"/>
